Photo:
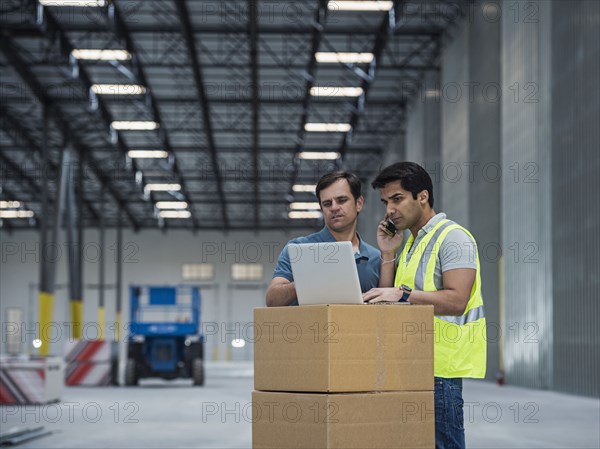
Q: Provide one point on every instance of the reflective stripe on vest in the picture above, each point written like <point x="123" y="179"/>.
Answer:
<point x="420" y="276"/>
<point x="472" y="315"/>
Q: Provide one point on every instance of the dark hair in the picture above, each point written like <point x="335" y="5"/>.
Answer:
<point x="334" y="176"/>
<point x="412" y="177"/>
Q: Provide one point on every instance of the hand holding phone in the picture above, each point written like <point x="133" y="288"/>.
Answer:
<point x="390" y="228"/>
<point x="389" y="237"/>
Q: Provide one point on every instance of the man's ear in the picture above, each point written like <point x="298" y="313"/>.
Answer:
<point x="359" y="203"/>
<point x="423" y="197"/>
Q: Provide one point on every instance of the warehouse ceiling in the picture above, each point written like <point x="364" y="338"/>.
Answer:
<point x="226" y="88"/>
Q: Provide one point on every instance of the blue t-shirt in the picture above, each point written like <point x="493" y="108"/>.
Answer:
<point x="367" y="259"/>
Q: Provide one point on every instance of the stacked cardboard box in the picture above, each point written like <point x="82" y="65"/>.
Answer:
<point x="343" y="376"/>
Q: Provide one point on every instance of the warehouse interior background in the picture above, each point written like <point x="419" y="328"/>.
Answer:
<point x="190" y="142"/>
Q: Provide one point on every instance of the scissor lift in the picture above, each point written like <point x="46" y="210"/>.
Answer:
<point x="164" y="334"/>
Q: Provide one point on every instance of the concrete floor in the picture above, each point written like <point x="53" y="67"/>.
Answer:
<point x="177" y="415"/>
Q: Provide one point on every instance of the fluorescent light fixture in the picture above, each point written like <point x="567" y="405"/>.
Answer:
<point x="322" y="155"/>
<point x="147" y="154"/>
<point x="298" y="205"/>
<point x="335" y="5"/>
<point x="175" y="214"/>
<point x="335" y="91"/>
<point x="16" y="213"/>
<point x="304" y="188"/>
<point x="84" y="3"/>
<point x="162" y="187"/>
<point x="343" y="58"/>
<point x="10" y="204"/>
<point x="139" y="125"/>
<point x="171" y="205"/>
<point x="304" y="214"/>
<point x="118" y="89"/>
<point x="92" y="54"/>
<point x="327" y="127"/>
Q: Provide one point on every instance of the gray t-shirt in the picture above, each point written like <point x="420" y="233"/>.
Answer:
<point x="456" y="251"/>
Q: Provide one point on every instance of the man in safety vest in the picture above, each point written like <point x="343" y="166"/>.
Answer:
<point x="438" y="266"/>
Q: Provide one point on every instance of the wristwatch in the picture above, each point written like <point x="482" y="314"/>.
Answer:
<point x="406" y="293"/>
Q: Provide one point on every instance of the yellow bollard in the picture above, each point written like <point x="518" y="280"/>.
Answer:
<point x="76" y="318"/>
<point x="46" y="308"/>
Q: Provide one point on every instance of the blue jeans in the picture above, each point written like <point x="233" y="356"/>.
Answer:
<point x="449" y="418"/>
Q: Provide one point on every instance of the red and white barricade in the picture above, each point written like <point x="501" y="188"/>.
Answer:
<point x="89" y="362"/>
<point x="30" y="380"/>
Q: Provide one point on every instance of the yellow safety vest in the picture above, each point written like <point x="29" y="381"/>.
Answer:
<point x="460" y="341"/>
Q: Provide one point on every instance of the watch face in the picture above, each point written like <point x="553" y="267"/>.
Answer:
<point x="406" y="293"/>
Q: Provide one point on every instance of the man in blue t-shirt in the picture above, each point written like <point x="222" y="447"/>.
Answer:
<point x="340" y="198"/>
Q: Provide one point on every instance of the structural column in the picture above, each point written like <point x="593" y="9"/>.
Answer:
<point x="73" y="214"/>
<point x="101" y="312"/>
<point x="49" y="260"/>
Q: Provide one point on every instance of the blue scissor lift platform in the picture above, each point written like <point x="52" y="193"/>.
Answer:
<point x="164" y="334"/>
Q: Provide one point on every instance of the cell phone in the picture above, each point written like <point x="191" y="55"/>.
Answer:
<point x="390" y="228"/>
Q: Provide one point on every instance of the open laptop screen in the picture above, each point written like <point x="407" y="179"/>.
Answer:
<point x="325" y="273"/>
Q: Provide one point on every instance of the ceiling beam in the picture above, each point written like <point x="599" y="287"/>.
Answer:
<point x="199" y="149"/>
<point x="318" y="26"/>
<point x="265" y="66"/>
<point x="22" y="176"/>
<point x="9" y="49"/>
<point x="253" y="37"/>
<point x="188" y="34"/>
<point x="120" y="28"/>
<point x="168" y="100"/>
<point x="26" y="29"/>
<point x="386" y="29"/>
<point x="18" y="133"/>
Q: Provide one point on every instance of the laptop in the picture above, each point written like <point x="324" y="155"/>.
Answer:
<point x="325" y="273"/>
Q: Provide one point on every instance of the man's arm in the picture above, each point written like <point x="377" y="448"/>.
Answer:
<point x="281" y="292"/>
<point x="452" y="300"/>
<point x="387" y="271"/>
<point x="389" y="247"/>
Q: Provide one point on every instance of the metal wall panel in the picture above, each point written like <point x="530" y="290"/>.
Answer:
<point x="465" y="176"/>
<point x="526" y="202"/>
<point x="454" y="198"/>
<point x="415" y="132"/>
<point x="484" y="156"/>
<point x="575" y="195"/>
<point x="423" y="132"/>
<point x="432" y="148"/>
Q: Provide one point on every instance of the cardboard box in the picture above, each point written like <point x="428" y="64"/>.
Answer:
<point x="343" y="348"/>
<point x="404" y="419"/>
